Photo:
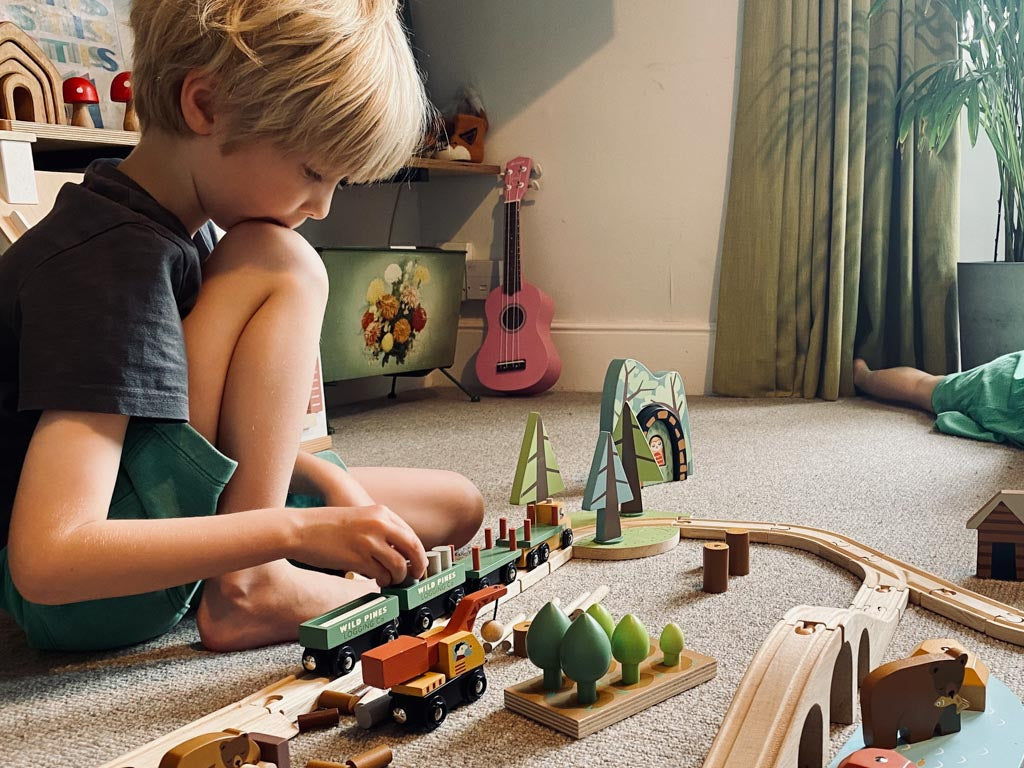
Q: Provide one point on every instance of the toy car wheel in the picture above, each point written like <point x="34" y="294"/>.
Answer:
<point x="543" y="552"/>
<point x="388" y="632"/>
<point x="344" y="661"/>
<point x="437" y="711"/>
<point x="454" y="597"/>
<point x="474" y="685"/>
<point x="531" y="560"/>
<point x="310" y="660"/>
<point x="567" y="538"/>
<point x="423" y="620"/>
<point x="509" y="573"/>
<point x="399" y="715"/>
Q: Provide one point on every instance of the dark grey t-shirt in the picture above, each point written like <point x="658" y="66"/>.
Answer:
<point x="91" y="301"/>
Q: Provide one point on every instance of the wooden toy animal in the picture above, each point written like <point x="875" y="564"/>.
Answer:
<point x="224" y="749"/>
<point x="876" y="758"/>
<point x="918" y="697"/>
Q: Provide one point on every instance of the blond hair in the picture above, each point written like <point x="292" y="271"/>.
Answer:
<point x="332" y="80"/>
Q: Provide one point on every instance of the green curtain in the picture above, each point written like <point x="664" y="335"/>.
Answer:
<point x="838" y="242"/>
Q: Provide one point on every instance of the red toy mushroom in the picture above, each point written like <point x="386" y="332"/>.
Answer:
<point x="121" y="92"/>
<point x="80" y="93"/>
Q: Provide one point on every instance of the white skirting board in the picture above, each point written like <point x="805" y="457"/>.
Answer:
<point x="587" y="348"/>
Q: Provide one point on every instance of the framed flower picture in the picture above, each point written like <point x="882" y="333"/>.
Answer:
<point x="390" y="311"/>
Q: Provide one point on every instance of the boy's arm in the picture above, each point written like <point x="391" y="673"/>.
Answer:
<point x="62" y="548"/>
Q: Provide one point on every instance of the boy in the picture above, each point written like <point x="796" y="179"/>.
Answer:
<point x="984" y="403"/>
<point x="125" y="356"/>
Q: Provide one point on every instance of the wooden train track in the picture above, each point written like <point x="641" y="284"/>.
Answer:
<point x="982" y="614"/>
<point x="805" y="657"/>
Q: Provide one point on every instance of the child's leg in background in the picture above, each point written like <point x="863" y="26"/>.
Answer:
<point x="442" y="507"/>
<point x="252" y="341"/>
<point x="903" y="384"/>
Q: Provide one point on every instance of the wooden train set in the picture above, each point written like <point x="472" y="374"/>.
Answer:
<point x="805" y="645"/>
<point x="807" y="674"/>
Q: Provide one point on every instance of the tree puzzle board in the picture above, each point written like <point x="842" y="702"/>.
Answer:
<point x="615" y="701"/>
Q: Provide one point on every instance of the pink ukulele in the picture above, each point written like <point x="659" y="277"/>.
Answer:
<point x="517" y="356"/>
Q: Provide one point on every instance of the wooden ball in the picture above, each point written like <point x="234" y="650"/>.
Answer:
<point x="492" y="631"/>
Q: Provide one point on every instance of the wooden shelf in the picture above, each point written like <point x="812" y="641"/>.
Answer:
<point x="53" y="138"/>
<point x="454" y="168"/>
<point x="50" y="138"/>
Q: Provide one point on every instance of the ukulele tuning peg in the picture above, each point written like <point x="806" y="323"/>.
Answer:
<point x="534" y="184"/>
<point x="538" y="171"/>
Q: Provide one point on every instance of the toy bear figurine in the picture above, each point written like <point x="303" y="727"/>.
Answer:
<point x="918" y="697"/>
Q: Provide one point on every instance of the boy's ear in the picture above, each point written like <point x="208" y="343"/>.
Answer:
<point x="197" y="103"/>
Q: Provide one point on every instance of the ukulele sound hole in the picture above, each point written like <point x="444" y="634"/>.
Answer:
<point x="512" y="318"/>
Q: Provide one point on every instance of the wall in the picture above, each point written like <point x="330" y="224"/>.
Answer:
<point x="628" y="108"/>
<point x="979" y="194"/>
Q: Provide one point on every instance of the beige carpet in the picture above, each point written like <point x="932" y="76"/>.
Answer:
<point x="879" y="474"/>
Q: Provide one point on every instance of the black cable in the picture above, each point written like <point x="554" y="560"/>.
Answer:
<point x="394" y="211"/>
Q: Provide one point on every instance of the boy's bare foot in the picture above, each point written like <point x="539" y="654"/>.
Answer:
<point x="860" y="373"/>
<point x="265" y="605"/>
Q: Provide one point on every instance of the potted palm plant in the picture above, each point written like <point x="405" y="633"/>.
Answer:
<point x="986" y="80"/>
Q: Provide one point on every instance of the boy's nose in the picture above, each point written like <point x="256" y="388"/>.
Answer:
<point x="318" y="207"/>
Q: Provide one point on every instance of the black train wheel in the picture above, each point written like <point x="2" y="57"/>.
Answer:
<point x="543" y="553"/>
<point x="474" y="685"/>
<point x="531" y="560"/>
<point x="567" y="538"/>
<point x="423" y="620"/>
<point x="344" y="662"/>
<point x="454" y="597"/>
<point x="388" y="632"/>
<point x="509" y="573"/>
<point x="437" y="711"/>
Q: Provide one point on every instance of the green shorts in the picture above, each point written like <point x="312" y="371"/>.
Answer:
<point x="984" y="403"/>
<point x="167" y="471"/>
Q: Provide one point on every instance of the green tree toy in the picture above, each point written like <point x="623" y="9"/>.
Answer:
<point x="585" y="655"/>
<point x="600" y="613"/>
<point x="537" y="476"/>
<point x="672" y="643"/>
<point x="606" y="489"/>
<point x="543" y="643"/>
<point x="637" y="460"/>
<point x="630" y="645"/>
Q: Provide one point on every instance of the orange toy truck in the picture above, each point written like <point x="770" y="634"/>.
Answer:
<point x="435" y="671"/>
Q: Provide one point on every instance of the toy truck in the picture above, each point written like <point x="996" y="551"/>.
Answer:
<point x="545" y="528"/>
<point x="420" y="602"/>
<point x="436" y="671"/>
<point x="333" y="642"/>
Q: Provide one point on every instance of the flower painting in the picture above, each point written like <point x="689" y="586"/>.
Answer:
<point x="390" y="311"/>
<point x="394" y="314"/>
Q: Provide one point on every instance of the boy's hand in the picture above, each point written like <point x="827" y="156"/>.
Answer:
<point x="370" y="540"/>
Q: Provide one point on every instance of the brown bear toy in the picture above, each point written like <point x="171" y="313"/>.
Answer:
<point x="918" y="696"/>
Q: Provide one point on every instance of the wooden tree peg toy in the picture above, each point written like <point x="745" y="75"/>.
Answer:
<point x="607" y="487"/>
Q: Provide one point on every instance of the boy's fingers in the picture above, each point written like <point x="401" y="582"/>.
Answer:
<point x="393" y="566"/>
<point x="409" y="547"/>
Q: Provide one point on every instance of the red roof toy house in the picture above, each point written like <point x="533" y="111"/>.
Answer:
<point x="1000" y="525"/>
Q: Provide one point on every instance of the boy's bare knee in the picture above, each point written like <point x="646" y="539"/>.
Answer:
<point x="280" y="251"/>
<point x="467" y="509"/>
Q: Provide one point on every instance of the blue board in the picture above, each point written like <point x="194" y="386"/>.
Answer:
<point x="990" y="739"/>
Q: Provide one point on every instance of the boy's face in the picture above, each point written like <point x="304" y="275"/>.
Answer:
<point x="258" y="181"/>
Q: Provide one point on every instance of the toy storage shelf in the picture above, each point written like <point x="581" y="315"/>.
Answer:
<point x="58" y="138"/>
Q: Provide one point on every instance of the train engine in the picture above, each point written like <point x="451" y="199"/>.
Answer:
<point x="436" y="671"/>
<point x="546" y="527"/>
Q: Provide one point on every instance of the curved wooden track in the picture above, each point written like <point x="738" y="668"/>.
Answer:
<point x="807" y="672"/>
<point x="980" y="613"/>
